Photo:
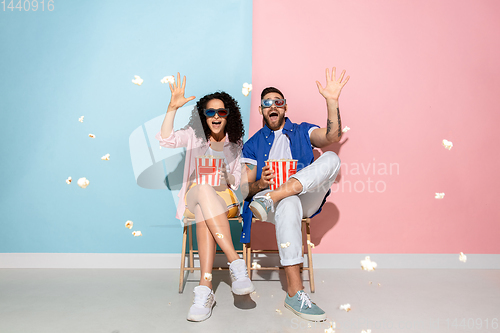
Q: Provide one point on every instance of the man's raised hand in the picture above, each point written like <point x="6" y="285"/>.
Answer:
<point x="177" y="100"/>
<point x="333" y="85"/>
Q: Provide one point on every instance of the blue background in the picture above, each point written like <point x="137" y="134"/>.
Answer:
<point x="79" y="60"/>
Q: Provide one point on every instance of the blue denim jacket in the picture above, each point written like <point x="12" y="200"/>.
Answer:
<point x="257" y="148"/>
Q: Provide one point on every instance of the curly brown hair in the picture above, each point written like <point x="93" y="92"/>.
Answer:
<point x="234" y="126"/>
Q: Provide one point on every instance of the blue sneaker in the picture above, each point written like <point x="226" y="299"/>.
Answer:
<point x="261" y="206"/>
<point x="301" y="305"/>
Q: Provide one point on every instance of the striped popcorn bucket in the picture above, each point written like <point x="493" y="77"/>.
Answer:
<point x="283" y="169"/>
<point x="208" y="170"/>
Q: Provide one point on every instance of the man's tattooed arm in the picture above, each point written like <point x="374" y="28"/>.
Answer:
<point x="322" y="137"/>
<point x="329" y="124"/>
<point x="250" y="188"/>
<point x="340" y="122"/>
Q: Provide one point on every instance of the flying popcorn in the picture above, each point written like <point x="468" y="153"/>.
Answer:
<point x="219" y="235"/>
<point x="68" y="181"/>
<point x="310" y="243"/>
<point x="247" y="87"/>
<point x="83" y="182"/>
<point x="80" y="119"/>
<point x="105" y="157"/>
<point x="255" y="265"/>
<point x="136" y="233"/>
<point x="346" y="307"/>
<point x="367" y="331"/>
<point x="137" y="80"/>
<point x="379" y="284"/>
<point x="129" y="224"/>
<point x="207" y="277"/>
<point x="331" y="329"/>
<point x="368" y="265"/>
<point x="279" y="311"/>
<point x="439" y="196"/>
<point x="462" y="257"/>
<point x="92" y="136"/>
<point x="168" y="79"/>
<point x="285" y="245"/>
<point x="447" y="144"/>
<point x="345" y="129"/>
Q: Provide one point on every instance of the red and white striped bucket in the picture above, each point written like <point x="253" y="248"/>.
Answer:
<point x="208" y="170"/>
<point x="283" y="169"/>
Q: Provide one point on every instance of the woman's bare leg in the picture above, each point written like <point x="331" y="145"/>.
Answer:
<point x="213" y="209"/>
<point x="206" y="249"/>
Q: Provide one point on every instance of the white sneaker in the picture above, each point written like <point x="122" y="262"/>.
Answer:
<point x="204" y="301"/>
<point x="261" y="206"/>
<point x="241" y="283"/>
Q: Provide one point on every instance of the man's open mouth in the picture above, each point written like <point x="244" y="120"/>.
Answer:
<point x="273" y="116"/>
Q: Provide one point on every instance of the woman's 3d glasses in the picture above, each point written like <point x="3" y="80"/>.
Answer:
<point x="221" y="112"/>
<point x="267" y="103"/>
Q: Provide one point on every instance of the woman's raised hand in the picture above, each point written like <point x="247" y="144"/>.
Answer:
<point x="177" y="99"/>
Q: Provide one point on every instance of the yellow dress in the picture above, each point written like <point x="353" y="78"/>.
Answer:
<point x="233" y="206"/>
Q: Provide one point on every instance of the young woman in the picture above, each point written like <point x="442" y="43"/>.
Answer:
<point x="216" y="129"/>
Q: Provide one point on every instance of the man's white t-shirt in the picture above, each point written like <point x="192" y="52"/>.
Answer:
<point x="280" y="148"/>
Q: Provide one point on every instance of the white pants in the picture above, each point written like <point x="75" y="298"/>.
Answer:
<point x="316" y="180"/>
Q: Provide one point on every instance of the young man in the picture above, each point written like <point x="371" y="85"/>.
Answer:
<point x="304" y="193"/>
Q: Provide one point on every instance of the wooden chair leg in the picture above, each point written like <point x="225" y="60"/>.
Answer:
<point x="245" y="257"/>
<point x="303" y="232"/>
<point x="191" y="256"/>
<point x="183" y="260"/>
<point x="249" y="259"/>
<point x="245" y="254"/>
<point x="309" y="256"/>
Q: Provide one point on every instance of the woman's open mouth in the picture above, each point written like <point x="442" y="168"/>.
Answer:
<point x="216" y="124"/>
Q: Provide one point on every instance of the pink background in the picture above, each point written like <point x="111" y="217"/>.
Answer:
<point x="421" y="72"/>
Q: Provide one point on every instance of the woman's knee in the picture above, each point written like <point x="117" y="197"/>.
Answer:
<point x="204" y="189"/>
<point x="197" y="192"/>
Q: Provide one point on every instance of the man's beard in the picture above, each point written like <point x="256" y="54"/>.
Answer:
<point x="281" y="120"/>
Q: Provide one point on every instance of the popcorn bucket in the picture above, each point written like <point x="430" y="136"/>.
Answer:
<point x="208" y="170"/>
<point x="283" y="169"/>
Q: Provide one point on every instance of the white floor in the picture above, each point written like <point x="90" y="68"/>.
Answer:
<point x="147" y="300"/>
